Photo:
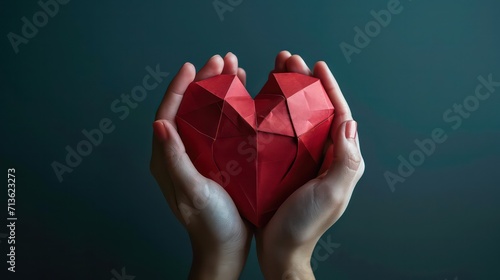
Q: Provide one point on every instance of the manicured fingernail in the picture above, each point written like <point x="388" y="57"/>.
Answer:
<point x="159" y="131"/>
<point x="351" y="129"/>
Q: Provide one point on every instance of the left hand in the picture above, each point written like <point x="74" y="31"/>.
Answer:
<point x="220" y="238"/>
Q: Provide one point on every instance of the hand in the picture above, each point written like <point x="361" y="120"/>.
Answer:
<point x="220" y="238"/>
<point x="286" y="243"/>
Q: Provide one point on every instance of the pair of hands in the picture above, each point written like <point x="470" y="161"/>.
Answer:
<point x="220" y="237"/>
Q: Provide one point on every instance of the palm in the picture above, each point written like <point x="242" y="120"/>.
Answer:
<point x="211" y="211"/>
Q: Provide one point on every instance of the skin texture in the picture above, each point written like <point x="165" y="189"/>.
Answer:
<point x="220" y="238"/>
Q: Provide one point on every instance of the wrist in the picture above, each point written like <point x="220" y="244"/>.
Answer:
<point x="217" y="262"/>
<point x="213" y="267"/>
<point x="289" y="265"/>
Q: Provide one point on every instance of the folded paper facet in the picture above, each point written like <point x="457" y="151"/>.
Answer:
<point x="259" y="150"/>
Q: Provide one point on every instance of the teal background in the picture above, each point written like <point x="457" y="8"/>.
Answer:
<point x="441" y="223"/>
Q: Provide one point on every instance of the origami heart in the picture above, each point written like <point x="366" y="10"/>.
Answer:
<point x="259" y="150"/>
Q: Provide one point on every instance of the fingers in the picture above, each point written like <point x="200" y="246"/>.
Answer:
<point x="242" y="75"/>
<point x="280" y="62"/>
<point x="179" y="166"/>
<point x="334" y="190"/>
<point x="296" y="64"/>
<point x="286" y="62"/>
<point x="231" y="67"/>
<point x="213" y="67"/>
<point x="347" y="164"/>
<point x="342" y="111"/>
<point x="230" y="64"/>
<point x="173" y="96"/>
<point x="187" y="74"/>
<point x="158" y="169"/>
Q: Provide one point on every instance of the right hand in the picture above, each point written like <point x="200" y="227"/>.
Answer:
<point x="285" y="245"/>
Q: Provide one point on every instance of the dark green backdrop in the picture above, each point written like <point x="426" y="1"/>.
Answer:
<point x="442" y="222"/>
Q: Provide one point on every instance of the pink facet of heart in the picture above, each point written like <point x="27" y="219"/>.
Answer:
<point x="259" y="150"/>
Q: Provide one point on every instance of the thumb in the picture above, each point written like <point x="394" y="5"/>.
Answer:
<point x="173" y="152"/>
<point x="347" y="165"/>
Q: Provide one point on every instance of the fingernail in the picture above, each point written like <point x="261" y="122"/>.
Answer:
<point x="159" y="131"/>
<point x="183" y="65"/>
<point x="216" y="55"/>
<point x="228" y="53"/>
<point x="351" y="129"/>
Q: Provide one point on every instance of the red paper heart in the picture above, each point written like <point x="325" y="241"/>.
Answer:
<point x="259" y="150"/>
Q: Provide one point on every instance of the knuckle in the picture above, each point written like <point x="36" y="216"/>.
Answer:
<point x="353" y="160"/>
<point x="329" y="195"/>
<point x="362" y="167"/>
